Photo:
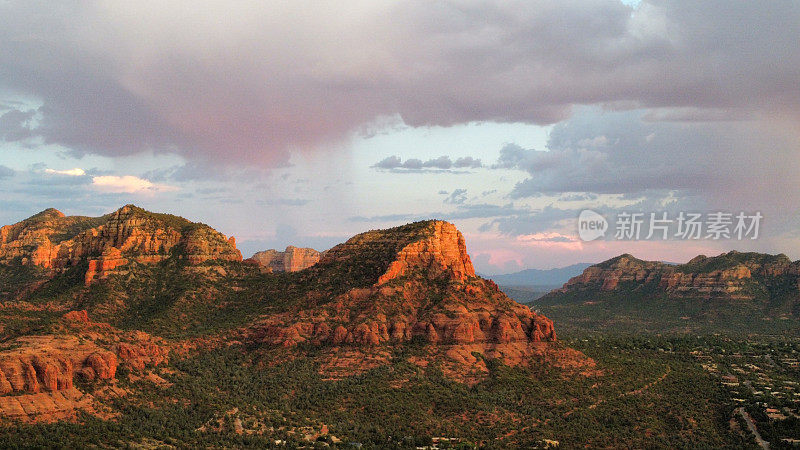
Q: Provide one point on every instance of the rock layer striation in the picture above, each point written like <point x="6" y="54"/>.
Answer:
<point x="727" y="275"/>
<point x="293" y="259"/>
<point x="50" y="240"/>
<point x="419" y="285"/>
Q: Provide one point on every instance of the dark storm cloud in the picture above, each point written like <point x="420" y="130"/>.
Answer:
<point x="240" y="83"/>
<point x="727" y="163"/>
<point x="6" y="172"/>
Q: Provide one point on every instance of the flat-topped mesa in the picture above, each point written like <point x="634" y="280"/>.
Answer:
<point x="725" y="274"/>
<point x="52" y="240"/>
<point x="293" y="259"/>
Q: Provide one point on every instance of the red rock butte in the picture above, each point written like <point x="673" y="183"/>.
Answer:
<point x="444" y="250"/>
<point x="423" y="286"/>
<point x="292" y="259"/>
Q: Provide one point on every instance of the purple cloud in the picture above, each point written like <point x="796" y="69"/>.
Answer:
<point x="240" y="84"/>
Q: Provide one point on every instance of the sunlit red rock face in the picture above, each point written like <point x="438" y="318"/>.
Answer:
<point x="29" y="241"/>
<point x="724" y="275"/>
<point x="443" y="251"/>
<point x="360" y="301"/>
<point x="293" y="259"/>
<point x="423" y="287"/>
<point x="51" y="240"/>
<point x="37" y="373"/>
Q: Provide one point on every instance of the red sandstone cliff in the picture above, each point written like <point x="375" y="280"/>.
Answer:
<point x="53" y="241"/>
<point x="442" y="251"/>
<point x="37" y="373"/>
<point x="724" y="275"/>
<point x="376" y="292"/>
<point x="292" y="259"/>
<point x="423" y="287"/>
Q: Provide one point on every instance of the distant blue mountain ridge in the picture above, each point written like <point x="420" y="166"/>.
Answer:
<point x="539" y="277"/>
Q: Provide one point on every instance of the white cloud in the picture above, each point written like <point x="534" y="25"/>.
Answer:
<point x="128" y="184"/>
<point x="76" y="172"/>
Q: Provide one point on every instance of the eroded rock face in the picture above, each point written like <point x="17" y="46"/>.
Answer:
<point x="622" y="269"/>
<point x="427" y="291"/>
<point x="29" y="241"/>
<point x="100" y="366"/>
<point x="459" y="319"/>
<point x="54" y="241"/>
<point x="723" y="275"/>
<point x="49" y="363"/>
<point x="81" y="316"/>
<point x="443" y="251"/>
<point x="105" y="265"/>
<point x="45" y="406"/>
<point x="37" y="373"/>
<point x="292" y="259"/>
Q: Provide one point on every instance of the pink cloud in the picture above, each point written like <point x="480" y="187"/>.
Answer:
<point x="247" y="82"/>
<point x="128" y="184"/>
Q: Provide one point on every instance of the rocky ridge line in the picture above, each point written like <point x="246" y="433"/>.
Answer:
<point x="53" y="241"/>
<point x="723" y="275"/>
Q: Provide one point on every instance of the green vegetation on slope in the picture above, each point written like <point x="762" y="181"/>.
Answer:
<point x="728" y="260"/>
<point x="644" y="398"/>
<point x="647" y="309"/>
<point x="767" y="303"/>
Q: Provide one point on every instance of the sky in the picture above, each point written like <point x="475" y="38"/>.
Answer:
<point x="282" y="124"/>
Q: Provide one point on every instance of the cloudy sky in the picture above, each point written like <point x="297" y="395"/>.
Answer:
<point x="281" y="123"/>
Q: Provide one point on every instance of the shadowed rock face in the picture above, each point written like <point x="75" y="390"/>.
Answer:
<point x="293" y="259"/>
<point x="53" y="241"/>
<point x="723" y="275"/>
<point x="423" y="286"/>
